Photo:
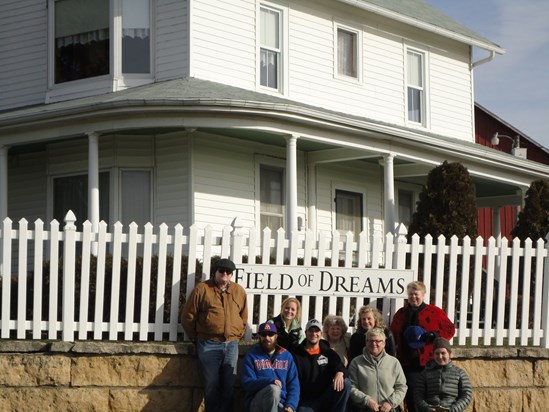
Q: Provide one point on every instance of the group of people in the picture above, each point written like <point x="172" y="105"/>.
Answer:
<point x="322" y="368"/>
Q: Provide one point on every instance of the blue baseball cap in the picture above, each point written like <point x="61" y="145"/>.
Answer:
<point x="267" y="327"/>
<point x="412" y="334"/>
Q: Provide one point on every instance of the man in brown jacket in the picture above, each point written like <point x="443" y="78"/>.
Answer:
<point x="214" y="318"/>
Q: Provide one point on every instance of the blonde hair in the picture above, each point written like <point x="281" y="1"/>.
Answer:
<point x="289" y="300"/>
<point x="379" y="322"/>
<point x="416" y="285"/>
<point x="333" y="320"/>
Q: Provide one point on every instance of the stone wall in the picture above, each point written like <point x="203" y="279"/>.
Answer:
<point x="156" y="377"/>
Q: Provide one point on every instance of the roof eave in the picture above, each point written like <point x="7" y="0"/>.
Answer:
<point x="492" y="47"/>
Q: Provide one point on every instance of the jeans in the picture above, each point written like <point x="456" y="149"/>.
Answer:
<point x="267" y="400"/>
<point x="411" y="377"/>
<point x="330" y="400"/>
<point x="218" y="365"/>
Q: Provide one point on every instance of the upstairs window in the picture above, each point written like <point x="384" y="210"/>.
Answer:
<point x="271" y="198"/>
<point x="347" y="53"/>
<point x="88" y="43"/>
<point x="270" y="47"/>
<point x="81" y="39"/>
<point x="415" y="86"/>
<point x="136" y="36"/>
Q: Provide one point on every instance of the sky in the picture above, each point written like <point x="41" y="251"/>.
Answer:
<point x="513" y="86"/>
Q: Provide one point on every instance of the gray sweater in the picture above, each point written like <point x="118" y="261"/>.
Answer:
<point x="447" y="386"/>
<point x="380" y="378"/>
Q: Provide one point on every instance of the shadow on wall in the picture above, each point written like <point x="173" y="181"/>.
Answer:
<point x="178" y="386"/>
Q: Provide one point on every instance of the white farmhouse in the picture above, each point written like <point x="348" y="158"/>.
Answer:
<point x="324" y="114"/>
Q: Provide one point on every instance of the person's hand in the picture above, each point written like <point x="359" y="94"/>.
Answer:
<point x="278" y="383"/>
<point x="385" y="407"/>
<point x="288" y="409"/>
<point x="428" y="337"/>
<point x="339" y="383"/>
<point x="372" y="404"/>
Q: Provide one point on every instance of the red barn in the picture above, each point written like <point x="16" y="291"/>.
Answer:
<point x="513" y="141"/>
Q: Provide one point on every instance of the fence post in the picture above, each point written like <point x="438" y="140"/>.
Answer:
<point x="69" y="237"/>
<point x="545" y="300"/>
<point x="6" y="277"/>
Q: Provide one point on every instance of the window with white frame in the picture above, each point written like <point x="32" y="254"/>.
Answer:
<point x="135" y="197"/>
<point x="136" y="36"/>
<point x="348" y="207"/>
<point x="347" y="52"/>
<point x="82" y="38"/>
<point x="271" y="197"/>
<point x="270" y="59"/>
<point x="415" y="66"/>
<point x="406" y="207"/>
<point x="71" y="193"/>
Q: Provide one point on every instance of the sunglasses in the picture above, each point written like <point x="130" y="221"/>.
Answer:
<point x="225" y="270"/>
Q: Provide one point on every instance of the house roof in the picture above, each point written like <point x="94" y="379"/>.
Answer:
<point x="420" y="14"/>
<point x="189" y="104"/>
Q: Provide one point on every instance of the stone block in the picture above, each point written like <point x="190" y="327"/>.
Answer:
<point x="498" y="373"/>
<point x="34" y="370"/>
<point x="52" y="399"/>
<point x="151" y="400"/>
<point x="133" y="371"/>
<point x="536" y="400"/>
<point x="501" y="400"/>
<point x="541" y="373"/>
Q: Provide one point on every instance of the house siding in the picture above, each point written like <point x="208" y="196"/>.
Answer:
<point x="223" y="43"/>
<point x="223" y="48"/>
<point x="23" y="74"/>
<point x="224" y="180"/>
<point x="172" y="39"/>
<point x="27" y="186"/>
<point x="172" y="180"/>
<point x="379" y="93"/>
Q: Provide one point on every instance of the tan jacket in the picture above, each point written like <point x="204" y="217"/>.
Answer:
<point x="210" y="313"/>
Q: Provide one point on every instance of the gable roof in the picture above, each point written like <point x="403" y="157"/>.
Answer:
<point x="422" y="15"/>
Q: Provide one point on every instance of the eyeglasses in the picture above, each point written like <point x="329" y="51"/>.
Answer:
<point x="377" y="342"/>
<point x="225" y="270"/>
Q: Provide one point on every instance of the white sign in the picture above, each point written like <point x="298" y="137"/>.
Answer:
<point x="304" y="280"/>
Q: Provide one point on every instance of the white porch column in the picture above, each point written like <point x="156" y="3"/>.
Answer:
<point x="496" y="222"/>
<point x="311" y="197"/>
<point x="3" y="183"/>
<point x="93" y="181"/>
<point x="389" y="190"/>
<point x="291" y="184"/>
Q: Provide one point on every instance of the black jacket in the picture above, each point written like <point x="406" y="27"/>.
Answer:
<point x="316" y="372"/>
<point x="289" y="340"/>
<point x="358" y="342"/>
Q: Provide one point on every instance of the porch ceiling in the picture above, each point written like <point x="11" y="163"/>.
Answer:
<point x="489" y="193"/>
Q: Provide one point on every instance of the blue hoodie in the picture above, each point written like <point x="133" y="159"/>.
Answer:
<point x="259" y="370"/>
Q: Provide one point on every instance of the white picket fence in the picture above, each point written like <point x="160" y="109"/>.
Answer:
<point x="103" y="286"/>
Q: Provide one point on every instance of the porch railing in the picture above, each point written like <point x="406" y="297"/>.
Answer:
<point x="129" y="285"/>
